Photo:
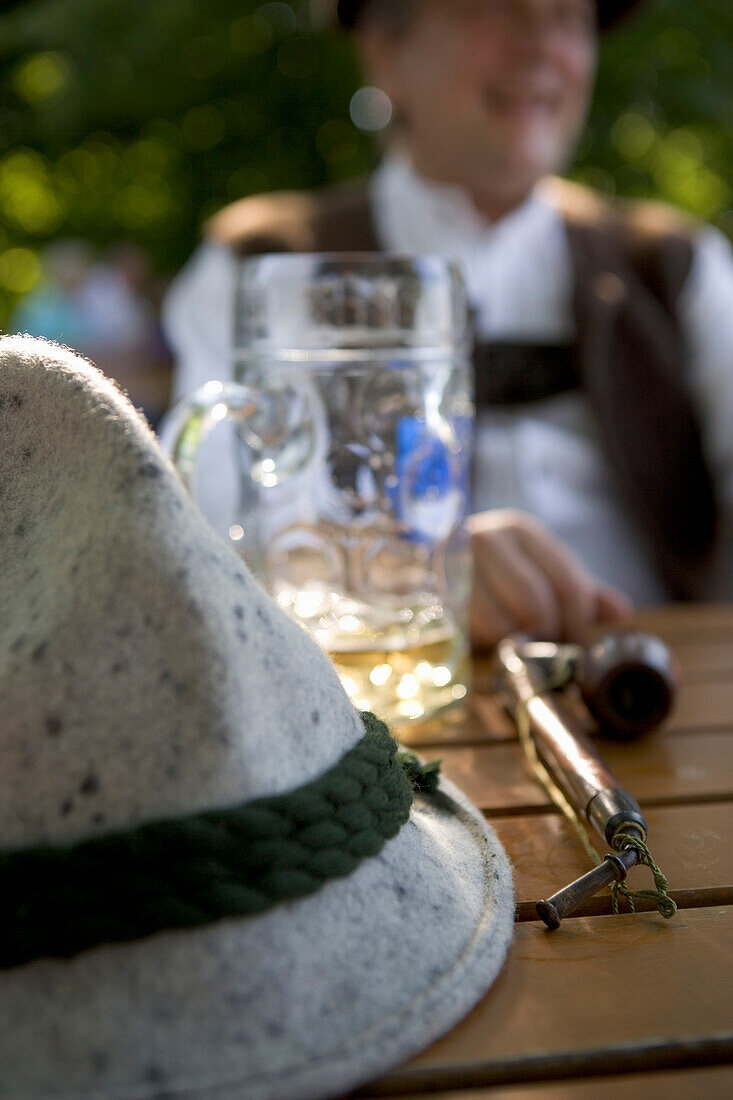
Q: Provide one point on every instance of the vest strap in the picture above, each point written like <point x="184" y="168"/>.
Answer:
<point x="518" y="374"/>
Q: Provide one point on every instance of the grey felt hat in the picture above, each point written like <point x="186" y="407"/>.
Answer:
<point x="156" y="711"/>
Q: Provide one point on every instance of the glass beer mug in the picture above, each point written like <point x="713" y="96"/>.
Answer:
<point x="354" y="411"/>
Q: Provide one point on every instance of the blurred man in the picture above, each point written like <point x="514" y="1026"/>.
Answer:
<point x="603" y="361"/>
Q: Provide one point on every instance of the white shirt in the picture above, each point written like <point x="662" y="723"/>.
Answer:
<point x="544" y="458"/>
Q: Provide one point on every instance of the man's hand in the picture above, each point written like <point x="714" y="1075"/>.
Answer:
<point x="526" y="579"/>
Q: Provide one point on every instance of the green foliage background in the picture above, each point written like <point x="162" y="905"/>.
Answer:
<point x="134" y="119"/>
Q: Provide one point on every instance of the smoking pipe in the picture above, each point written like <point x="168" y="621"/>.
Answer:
<point x="628" y="681"/>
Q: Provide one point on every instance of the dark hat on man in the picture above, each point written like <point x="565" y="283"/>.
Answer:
<point x="609" y="11"/>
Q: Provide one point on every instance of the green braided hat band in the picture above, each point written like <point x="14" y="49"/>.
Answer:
<point x="58" y="901"/>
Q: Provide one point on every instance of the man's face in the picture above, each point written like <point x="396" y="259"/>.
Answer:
<point x="492" y="93"/>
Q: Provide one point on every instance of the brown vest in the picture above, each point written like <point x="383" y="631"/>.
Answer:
<point x="629" y="265"/>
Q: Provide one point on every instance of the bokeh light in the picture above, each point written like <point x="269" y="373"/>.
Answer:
<point x="370" y="109"/>
<point x="20" y="270"/>
<point x="42" y="76"/>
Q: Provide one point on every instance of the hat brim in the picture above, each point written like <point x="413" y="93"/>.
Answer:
<point x="305" y="1001"/>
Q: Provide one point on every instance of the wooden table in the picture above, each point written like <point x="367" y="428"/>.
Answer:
<point x="608" y="1005"/>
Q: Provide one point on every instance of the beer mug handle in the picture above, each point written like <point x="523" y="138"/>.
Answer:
<point x="263" y="423"/>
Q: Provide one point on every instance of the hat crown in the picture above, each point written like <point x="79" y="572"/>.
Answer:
<point x="143" y="672"/>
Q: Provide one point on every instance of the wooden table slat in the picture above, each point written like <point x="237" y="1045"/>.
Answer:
<point x="636" y="988"/>
<point x="688" y="1084"/>
<point x="482" y="719"/>
<point x="709" y="660"/>
<point x="690" y="843"/>
<point x="702" y="705"/>
<point x="687" y="623"/>
<point x="655" y="770"/>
